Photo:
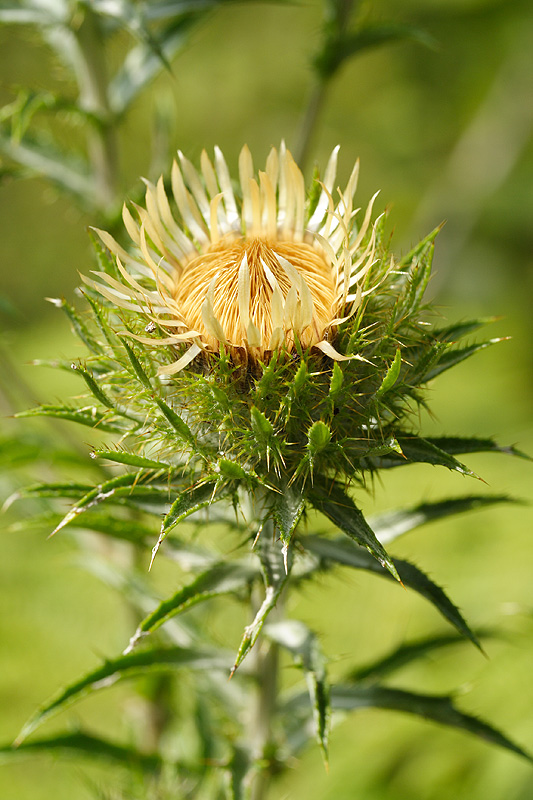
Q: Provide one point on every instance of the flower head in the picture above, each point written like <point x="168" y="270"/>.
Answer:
<point x="254" y="270"/>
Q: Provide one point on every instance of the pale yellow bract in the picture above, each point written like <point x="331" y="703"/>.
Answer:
<point x="253" y="272"/>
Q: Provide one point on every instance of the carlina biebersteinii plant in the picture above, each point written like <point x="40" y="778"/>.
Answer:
<point x="261" y="355"/>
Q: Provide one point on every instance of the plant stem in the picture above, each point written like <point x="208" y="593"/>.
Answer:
<point x="263" y="710"/>
<point x="265" y="662"/>
<point x="336" y="21"/>
<point x="93" y="96"/>
<point x="310" y="120"/>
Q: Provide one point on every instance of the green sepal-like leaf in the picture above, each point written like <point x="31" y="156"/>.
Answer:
<point x="318" y="438"/>
<point x="276" y="569"/>
<point x="303" y="645"/>
<point x="261" y="426"/>
<point x="437" y="708"/>
<point x="175" y="421"/>
<point x="85" y="744"/>
<point x="126" y="666"/>
<point x="391" y="524"/>
<point x="221" y="578"/>
<point x="391" y="375"/>
<point x="338" y="507"/>
<point x="342" y="551"/>
<point x="136" y="364"/>
<point x="90" y="417"/>
<point x="337" y="378"/>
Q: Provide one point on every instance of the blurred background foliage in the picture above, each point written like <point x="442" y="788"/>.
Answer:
<point x="446" y="132"/>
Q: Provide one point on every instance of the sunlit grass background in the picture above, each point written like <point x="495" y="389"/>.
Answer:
<point x="445" y="134"/>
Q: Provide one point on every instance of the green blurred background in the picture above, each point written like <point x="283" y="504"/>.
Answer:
<point x="446" y="134"/>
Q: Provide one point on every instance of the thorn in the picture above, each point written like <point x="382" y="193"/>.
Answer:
<point x="155" y="548"/>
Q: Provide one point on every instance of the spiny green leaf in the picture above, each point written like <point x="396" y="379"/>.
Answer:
<point x="50" y="162"/>
<point x="288" y="508"/>
<point x="222" y="578"/>
<point x="142" y="63"/>
<point x="459" y="445"/>
<point x="98" y="311"/>
<point x="132" y="459"/>
<point x="85" y="744"/>
<point x="123" y="485"/>
<point x="188" y="502"/>
<point x="343" y="551"/>
<point x="90" y="417"/>
<point x="126" y="666"/>
<point x="341" y="47"/>
<point x="337" y="506"/>
<point x="419" y="249"/>
<point x="276" y="569"/>
<point x="417" y="450"/>
<point x="437" y="708"/>
<point x="391" y="524"/>
<point x="450" y="357"/>
<point x="78" y="325"/>
<point x="67" y="489"/>
<point x="452" y="333"/>
<point x="401" y="656"/>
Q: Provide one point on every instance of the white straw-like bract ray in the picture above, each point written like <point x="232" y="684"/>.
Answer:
<point x="252" y="270"/>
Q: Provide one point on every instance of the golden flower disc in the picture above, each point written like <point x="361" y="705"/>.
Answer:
<point x="221" y="263"/>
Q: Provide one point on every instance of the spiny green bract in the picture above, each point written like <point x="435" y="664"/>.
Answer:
<point x="288" y="420"/>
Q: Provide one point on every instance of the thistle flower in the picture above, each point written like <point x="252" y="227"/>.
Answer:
<point x="253" y="271"/>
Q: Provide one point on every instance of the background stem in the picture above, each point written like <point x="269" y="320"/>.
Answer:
<point x="92" y="80"/>
<point x="309" y="124"/>
<point x="263" y="710"/>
